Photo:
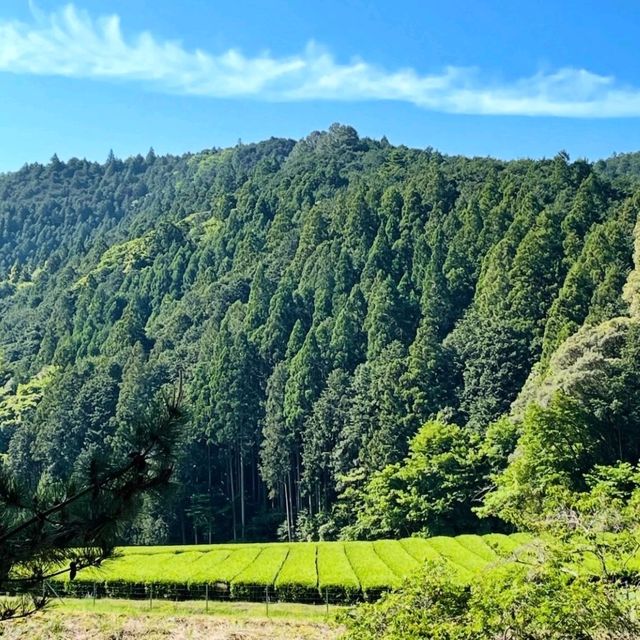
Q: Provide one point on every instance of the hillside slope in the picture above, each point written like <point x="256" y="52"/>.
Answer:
<point x="324" y="298"/>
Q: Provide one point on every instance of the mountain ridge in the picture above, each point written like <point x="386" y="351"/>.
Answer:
<point x="325" y="298"/>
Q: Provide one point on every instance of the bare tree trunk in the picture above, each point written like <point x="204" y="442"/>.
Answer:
<point x="291" y="509"/>
<point x="233" y="497"/>
<point x="209" y="491"/>
<point x="242" y="509"/>
<point x="620" y="442"/>
<point x="254" y="481"/>
<point x="298" y="492"/>
<point x="286" y="507"/>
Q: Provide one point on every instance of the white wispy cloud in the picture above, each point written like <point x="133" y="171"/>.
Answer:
<point x="72" y="43"/>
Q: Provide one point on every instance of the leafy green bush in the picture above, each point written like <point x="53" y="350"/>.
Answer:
<point x="432" y="605"/>
<point x="467" y="562"/>
<point x="505" y="545"/>
<point x="556" y="593"/>
<point x="80" y="588"/>
<point x="345" y="572"/>
<point x="298" y="578"/>
<point x="373" y="574"/>
<point x="206" y="569"/>
<point x="421" y="550"/>
<point x="394" y="555"/>
<point x="238" y="560"/>
<point x="251" y="582"/>
<point x="478" y="546"/>
<point x="335" y="573"/>
<point x="512" y="601"/>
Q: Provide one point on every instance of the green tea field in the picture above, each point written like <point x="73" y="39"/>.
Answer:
<point x="289" y="572"/>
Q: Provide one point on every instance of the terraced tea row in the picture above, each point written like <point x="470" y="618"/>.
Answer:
<point x="305" y="571"/>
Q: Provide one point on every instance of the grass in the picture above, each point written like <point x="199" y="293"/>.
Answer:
<point x="108" y="619"/>
<point x="231" y="609"/>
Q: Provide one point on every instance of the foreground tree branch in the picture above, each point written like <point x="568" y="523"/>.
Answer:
<point x="49" y="532"/>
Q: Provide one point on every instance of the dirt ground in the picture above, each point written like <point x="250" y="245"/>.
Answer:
<point x="103" y="626"/>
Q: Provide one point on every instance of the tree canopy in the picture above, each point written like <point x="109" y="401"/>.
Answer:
<point x="355" y="322"/>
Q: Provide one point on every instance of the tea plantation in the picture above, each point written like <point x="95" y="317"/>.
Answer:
<point x="339" y="572"/>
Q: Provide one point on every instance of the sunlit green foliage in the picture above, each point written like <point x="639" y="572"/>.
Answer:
<point x="326" y="299"/>
<point x="400" y="561"/>
<point x="372" y="572"/>
<point x="339" y="571"/>
<point x="298" y="577"/>
<point x="262" y="572"/>
<point x="572" y="581"/>
<point x="335" y="572"/>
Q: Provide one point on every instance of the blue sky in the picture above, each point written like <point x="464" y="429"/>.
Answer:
<point x="508" y="79"/>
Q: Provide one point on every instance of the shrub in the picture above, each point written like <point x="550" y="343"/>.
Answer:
<point x="238" y="559"/>
<point x="250" y="584"/>
<point x="431" y="605"/>
<point x="296" y="572"/>
<point x="510" y="601"/>
<point x="373" y="574"/>
<point x="298" y="578"/>
<point x="421" y="550"/>
<point x="464" y="561"/>
<point x="478" y="546"/>
<point x="394" y="555"/>
<point x="335" y="574"/>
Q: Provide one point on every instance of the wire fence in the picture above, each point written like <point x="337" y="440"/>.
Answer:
<point x="200" y="596"/>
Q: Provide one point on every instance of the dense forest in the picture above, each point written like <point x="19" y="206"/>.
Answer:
<point x="375" y="340"/>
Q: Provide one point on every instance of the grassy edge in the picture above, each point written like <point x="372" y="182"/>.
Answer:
<point x="233" y="610"/>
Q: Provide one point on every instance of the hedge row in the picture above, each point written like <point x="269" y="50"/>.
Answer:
<point x="302" y="572"/>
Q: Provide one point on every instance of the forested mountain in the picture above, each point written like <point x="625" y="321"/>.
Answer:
<point x="355" y="322"/>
